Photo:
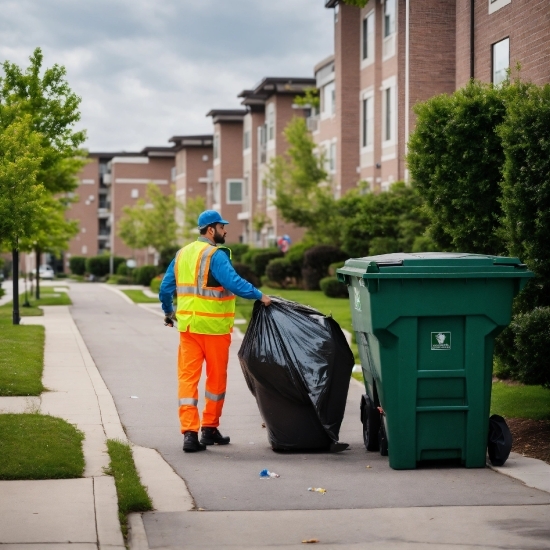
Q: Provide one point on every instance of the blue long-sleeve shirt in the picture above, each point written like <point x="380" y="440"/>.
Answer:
<point x="223" y="272"/>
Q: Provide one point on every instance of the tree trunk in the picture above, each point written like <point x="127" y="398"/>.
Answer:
<point x="38" y="253"/>
<point x="15" y="272"/>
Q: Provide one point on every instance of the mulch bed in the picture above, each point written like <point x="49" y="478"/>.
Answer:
<point x="531" y="437"/>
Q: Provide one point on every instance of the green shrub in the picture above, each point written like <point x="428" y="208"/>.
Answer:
<point x="237" y="252"/>
<point x="144" y="274"/>
<point x="165" y="258"/>
<point x="316" y="263"/>
<point x="61" y="275"/>
<point x="260" y="260"/>
<point x="122" y="269"/>
<point x="77" y="265"/>
<point x="99" y="265"/>
<point x="295" y="258"/>
<point x="279" y="271"/>
<point x="155" y="283"/>
<point x="2" y="291"/>
<point x="246" y="273"/>
<point x="333" y="288"/>
<point x="532" y="346"/>
<point x="333" y="267"/>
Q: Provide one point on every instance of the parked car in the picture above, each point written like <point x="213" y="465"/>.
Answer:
<point x="45" y="272"/>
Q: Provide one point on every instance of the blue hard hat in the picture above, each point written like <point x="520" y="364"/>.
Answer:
<point x="209" y="217"/>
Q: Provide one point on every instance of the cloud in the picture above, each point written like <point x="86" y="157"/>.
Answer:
<point x="147" y="70"/>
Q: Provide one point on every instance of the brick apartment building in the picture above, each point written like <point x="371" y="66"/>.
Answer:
<point x="392" y="54"/>
<point x="193" y="168"/>
<point x="269" y="108"/>
<point x="109" y="182"/>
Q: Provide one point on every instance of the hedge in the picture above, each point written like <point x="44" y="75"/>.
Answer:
<point x="333" y="288"/>
<point x="77" y="265"/>
<point x="99" y="265"/>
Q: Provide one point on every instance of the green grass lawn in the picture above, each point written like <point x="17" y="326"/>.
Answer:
<point x="138" y="297"/>
<point x="516" y="401"/>
<point x="35" y="446"/>
<point x="132" y="495"/>
<point x="47" y="298"/>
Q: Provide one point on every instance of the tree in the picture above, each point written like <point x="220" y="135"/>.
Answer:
<point x="392" y="221"/>
<point x="302" y="194"/>
<point x="54" y="110"/>
<point x="358" y="3"/>
<point x="455" y="160"/>
<point x="191" y="211"/>
<point x="151" y="221"/>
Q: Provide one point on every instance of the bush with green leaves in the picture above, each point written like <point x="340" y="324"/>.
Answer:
<point x="123" y="269"/>
<point x="333" y="288"/>
<point x="531" y="349"/>
<point x="77" y="265"/>
<point x="144" y="274"/>
<point x="155" y="283"/>
<point x="260" y="260"/>
<point x="237" y="252"/>
<point x="166" y="256"/>
<point x="455" y="159"/>
<point x="381" y="223"/>
<point x="295" y="259"/>
<point x="279" y="271"/>
<point x="316" y="263"/>
<point x="246" y="273"/>
<point x="99" y="266"/>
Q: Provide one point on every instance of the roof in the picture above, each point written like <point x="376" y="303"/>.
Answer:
<point x="254" y="101"/>
<point x="226" y="115"/>
<point x="283" y="85"/>
<point x="323" y="63"/>
<point x="104" y="155"/>
<point x="331" y="3"/>
<point x="203" y="140"/>
<point x="159" y="151"/>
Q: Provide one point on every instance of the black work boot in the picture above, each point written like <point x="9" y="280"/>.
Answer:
<point x="191" y="443"/>
<point x="211" y="436"/>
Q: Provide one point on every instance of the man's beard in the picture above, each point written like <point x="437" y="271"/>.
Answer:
<point x="218" y="238"/>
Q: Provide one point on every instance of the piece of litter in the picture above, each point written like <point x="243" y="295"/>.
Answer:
<point x="369" y="466"/>
<point x="266" y="474"/>
<point x="317" y="490"/>
<point x="251" y="442"/>
<point x="201" y="509"/>
<point x="134" y="397"/>
<point x="263" y="424"/>
<point x="310" y="541"/>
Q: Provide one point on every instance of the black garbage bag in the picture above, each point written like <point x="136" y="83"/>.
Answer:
<point x="499" y="442"/>
<point x="297" y="363"/>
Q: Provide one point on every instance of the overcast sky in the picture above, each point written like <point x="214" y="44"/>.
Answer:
<point x="150" y="69"/>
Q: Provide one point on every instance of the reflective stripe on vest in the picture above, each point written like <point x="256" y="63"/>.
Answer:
<point x="202" y="309"/>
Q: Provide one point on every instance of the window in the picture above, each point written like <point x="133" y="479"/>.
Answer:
<point x="501" y="60"/>
<point x="246" y="140"/>
<point x="234" y="191"/>
<point x="389" y="17"/>
<point x="271" y="122"/>
<point x="495" y="5"/>
<point x="388" y="113"/>
<point x="368" y="37"/>
<point x="135" y="193"/>
<point x="216" y="146"/>
<point x="332" y="157"/>
<point x="329" y="99"/>
<point x="368" y="121"/>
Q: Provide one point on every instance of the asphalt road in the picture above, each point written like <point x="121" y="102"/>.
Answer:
<point x="136" y="355"/>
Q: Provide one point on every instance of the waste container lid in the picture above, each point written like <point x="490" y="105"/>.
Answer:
<point x="434" y="265"/>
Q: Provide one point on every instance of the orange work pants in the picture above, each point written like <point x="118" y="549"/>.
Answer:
<point x="193" y="351"/>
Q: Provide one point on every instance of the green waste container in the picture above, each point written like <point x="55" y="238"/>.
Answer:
<point x="425" y="326"/>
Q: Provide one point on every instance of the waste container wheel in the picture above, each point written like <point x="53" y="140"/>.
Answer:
<point x="383" y="440"/>
<point x="370" y="417"/>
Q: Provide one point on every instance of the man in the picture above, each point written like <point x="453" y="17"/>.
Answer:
<point x="206" y="285"/>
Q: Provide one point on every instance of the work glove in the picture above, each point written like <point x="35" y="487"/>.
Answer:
<point x="169" y="319"/>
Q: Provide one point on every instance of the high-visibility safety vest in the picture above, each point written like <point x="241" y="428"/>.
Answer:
<point x="203" y="305"/>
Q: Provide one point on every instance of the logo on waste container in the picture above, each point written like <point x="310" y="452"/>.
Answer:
<point x="357" y="298"/>
<point x="441" y="340"/>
